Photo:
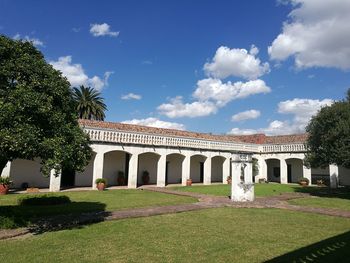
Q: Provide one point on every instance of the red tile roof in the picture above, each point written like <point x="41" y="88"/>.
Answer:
<point x="255" y="138"/>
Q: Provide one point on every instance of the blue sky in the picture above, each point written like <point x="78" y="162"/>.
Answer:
<point x="144" y="55"/>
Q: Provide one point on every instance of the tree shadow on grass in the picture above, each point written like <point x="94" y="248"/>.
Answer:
<point x="46" y="218"/>
<point x="342" y="192"/>
<point x="334" y="249"/>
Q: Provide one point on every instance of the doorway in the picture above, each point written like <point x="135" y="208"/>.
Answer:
<point x="201" y="172"/>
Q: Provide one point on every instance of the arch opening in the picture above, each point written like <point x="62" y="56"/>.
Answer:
<point x="173" y="172"/>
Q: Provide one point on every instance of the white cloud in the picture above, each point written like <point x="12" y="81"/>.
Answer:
<point x="147" y="62"/>
<point x="98" y="30"/>
<point x="176" y="108"/>
<point x="316" y="35"/>
<point x="210" y="95"/>
<point x="154" y="122"/>
<point x="76" y="74"/>
<point x="236" y="62"/>
<point x="301" y="109"/>
<point x="238" y="131"/>
<point x="36" y="42"/>
<point x="222" y="93"/>
<point x="246" y="115"/>
<point x="131" y="96"/>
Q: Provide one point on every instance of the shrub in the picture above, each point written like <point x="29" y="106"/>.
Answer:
<point x="5" y="180"/>
<point x="46" y="199"/>
<point x="101" y="181"/>
<point x="304" y="180"/>
<point x="7" y="222"/>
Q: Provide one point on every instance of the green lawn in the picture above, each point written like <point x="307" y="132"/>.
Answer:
<point x="225" y="190"/>
<point x="212" y="235"/>
<point x="324" y="202"/>
<point x="12" y="215"/>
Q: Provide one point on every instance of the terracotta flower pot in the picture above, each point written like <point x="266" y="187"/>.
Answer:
<point x="4" y="188"/>
<point x="101" y="186"/>
<point x="188" y="182"/>
<point x="303" y="183"/>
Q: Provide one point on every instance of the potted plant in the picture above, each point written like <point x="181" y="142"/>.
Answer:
<point x="145" y="177"/>
<point x="189" y="182"/>
<point x="101" y="183"/>
<point x="304" y="181"/>
<point x="229" y="179"/>
<point x="121" y="178"/>
<point x="5" y="183"/>
<point x="320" y="182"/>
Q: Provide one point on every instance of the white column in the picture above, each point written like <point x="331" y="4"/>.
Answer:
<point x="6" y="170"/>
<point x="226" y="168"/>
<point x="133" y="167"/>
<point x="262" y="169"/>
<point x="333" y="175"/>
<point x="207" y="171"/>
<point x="248" y="173"/>
<point x="55" y="180"/>
<point x="98" y="168"/>
<point x="186" y="169"/>
<point x="161" y="169"/>
<point x="283" y="171"/>
<point x="307" y="173"/>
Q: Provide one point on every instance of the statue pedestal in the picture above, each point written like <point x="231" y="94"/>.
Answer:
<point x="242" y="192"/>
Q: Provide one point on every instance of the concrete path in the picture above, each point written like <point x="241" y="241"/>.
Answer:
<point x="59" y="222"/>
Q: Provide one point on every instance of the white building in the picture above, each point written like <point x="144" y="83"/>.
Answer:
<point x="173" y="156"/>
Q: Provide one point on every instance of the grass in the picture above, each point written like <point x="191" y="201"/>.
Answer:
<point x="225" y="190"/>
<point x="323" y="202"/>
<point x="13" y="215"/>
<point x="212" y="235"/>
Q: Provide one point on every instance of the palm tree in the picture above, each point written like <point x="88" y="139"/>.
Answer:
<point x="90" y="104"/>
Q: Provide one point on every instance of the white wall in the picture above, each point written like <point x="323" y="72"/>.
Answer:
<point x="195" y="167"/>
<point x="148" y="162"/>
<point x="26" y="171"/>
<point x="112" y="163"/>
<point x="174" y="168"/>
<point x="85" y="178"/>
<point x="216" y="168"/>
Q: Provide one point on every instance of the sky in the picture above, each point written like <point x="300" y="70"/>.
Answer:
<point x="224" y="67"/>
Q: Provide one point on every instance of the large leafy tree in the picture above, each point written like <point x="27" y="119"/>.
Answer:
<point x="329" y="135"/>
<point x="38" y="116"/>
<point x="90" y="104"/>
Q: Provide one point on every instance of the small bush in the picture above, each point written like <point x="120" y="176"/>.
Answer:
<point x="7" y="222"/>
<point x="304" y="180"/>
<point x="101" y="181"/>
<point x="5" y="180"/>
<point x="46" y="199"/>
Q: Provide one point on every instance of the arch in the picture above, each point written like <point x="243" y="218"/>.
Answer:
<point x="197" y="168"/>
<point x="147" y="161"/>
<point x="28" y="171"/>
<point x="217" y="163"/>
<point x="294" y="169"/>
<point x="115" y="162"/>
<point x="273" y="170"/>
<point x="173" y="172"/>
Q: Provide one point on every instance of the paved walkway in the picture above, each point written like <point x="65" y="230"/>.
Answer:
<point x="205" y="202"/>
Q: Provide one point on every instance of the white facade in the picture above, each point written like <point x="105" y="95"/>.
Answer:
<point x="173" y="159"/>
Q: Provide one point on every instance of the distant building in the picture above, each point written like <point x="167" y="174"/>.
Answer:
<point x="173" y="156"/>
